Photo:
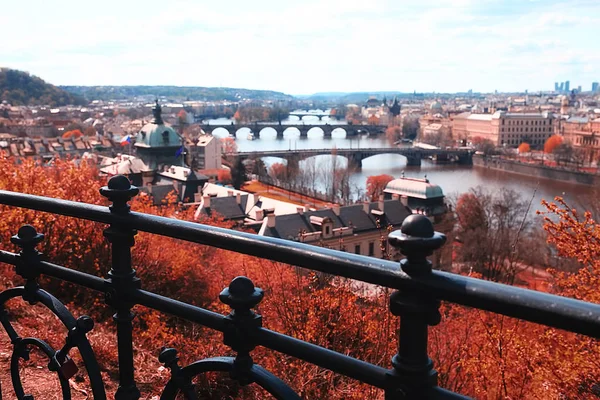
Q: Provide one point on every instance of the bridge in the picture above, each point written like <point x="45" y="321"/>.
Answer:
<point x="356" y="156"/>
<point x="351" y="130"/>
<point x="319" y="115"/>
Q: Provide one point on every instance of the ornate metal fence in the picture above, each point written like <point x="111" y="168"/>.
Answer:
<point x="417" y="296"/>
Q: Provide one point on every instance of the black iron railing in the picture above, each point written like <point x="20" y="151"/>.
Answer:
<point x="417" y="296"/>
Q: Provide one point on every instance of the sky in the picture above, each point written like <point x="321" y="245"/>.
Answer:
<point x="308" y="46"/>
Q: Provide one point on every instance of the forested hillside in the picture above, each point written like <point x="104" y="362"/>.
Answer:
<point x="21" y="88"/>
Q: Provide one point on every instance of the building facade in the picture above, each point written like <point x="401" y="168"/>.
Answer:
<point x="583" y="134"/>
<point x="504" y="128"/>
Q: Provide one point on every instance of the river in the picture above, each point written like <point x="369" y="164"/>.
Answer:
<point x="453" y="179"/>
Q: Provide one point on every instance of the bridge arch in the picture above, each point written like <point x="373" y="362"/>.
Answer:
<point x="266" y="133"/>
<point x="219" y="132"/>
<point x="315" y="132"/>
<point x="339" y="133"/>
<point x="291" y="133"/>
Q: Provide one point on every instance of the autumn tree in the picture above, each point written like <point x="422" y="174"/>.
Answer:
<point x="393" y="134"/>
<point x="376" y="184"/>
<point x="552" y="143"/>
<point x="410" y="127"/>
<point x="278" y="171"/>
<point x="224" y="176"/>
<point x="524" y="148"/>
<point x="563" y="153"/>
<point x="486" y="146"/>
<point x="489" y="226"/>
<point x="228" y="146"/>
<point x="373" y="120"/>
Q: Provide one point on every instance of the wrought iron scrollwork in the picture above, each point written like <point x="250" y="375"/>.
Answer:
<point x="59" y="360"/>
<point x="241" y="296"/>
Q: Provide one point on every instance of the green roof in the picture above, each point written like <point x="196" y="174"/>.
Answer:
<point x="157" y="135"/>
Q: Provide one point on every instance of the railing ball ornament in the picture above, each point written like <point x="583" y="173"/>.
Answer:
<point x="119" y="191"/>
<point x="416" y="239"/>
<point x="241" y="295"/>
<point x="27" y="237"/>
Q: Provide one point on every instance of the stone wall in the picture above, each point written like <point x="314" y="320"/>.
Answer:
<point x="536" y="170"/>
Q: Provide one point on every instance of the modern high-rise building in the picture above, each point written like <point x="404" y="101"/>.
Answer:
<point x="594" y="87"/>
<point x="579" y="89"/>
<point x="567" y="86"/>
<point x="561" y="87"/>
<point x="556" y="87"/>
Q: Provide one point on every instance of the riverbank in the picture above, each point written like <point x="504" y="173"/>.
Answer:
<point x="536" y="170"/>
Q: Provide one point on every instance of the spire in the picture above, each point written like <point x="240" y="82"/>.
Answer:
<point x="156" y="111"/>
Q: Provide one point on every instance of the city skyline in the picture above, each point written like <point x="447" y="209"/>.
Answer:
<point x="309" y="47"/>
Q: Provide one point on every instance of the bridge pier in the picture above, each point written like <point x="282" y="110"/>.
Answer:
<point x="355" y="160"/>
<point x="413" y="160"/>
<point x="303" y="132"/>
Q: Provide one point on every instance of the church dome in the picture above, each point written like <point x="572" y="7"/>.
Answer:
<point x="157" y="133"/>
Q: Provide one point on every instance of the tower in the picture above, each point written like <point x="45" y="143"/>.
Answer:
<point x="157" y="143"/>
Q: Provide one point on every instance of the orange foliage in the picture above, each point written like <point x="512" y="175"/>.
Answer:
<point x="373" y="120"/>
<point x="552" y="143"/>
<point x="228" y="145"/>
<point x="224" y="175"/>
<point x="393" y="133"/>
<point x="278" y="171"/>
<point x="524" y="148"/>
<point x="476" y="353"/>
<point x="376" y="184"/>
<point x="76" y="133"/>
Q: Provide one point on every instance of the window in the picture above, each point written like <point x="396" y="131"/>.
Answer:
<point x="165" y="136"/>
<point x="327" y="229"/>
<point x="371" y="249"/>
<point x="357" y="248"/>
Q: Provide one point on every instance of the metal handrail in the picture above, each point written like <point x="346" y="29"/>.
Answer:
<point x="530" y="305"/>
<point x="416" y="299"/>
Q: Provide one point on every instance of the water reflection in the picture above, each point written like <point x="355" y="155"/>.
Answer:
<point x="453" y="179"/>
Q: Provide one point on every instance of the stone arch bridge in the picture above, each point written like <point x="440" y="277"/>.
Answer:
<point x="351" y="130"/>
<point x="356" y="156"/>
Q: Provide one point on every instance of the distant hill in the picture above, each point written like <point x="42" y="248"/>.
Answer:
<point x="355" y="97"/>
<point x="174" y="92"/>
<point x="20" y="88"/>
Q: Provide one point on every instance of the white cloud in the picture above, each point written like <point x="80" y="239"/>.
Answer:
<point x="316" y="45"/>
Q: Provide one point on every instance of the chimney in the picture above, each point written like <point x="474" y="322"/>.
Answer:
<point x="238" y="198"/>
<point x="271" y="220"/>
<point x="206" y="199"/>
<point x="366" y="207"/>
<point x="259" y="215"/>
<point x="380" y="204"/>
<point x="336" y="209"/>
<point x="300" y="210"/>
<point x="229" y="193"/>
<point x="404" y="200"/>
<point x="197" y="197"/>
<point x="395" y="196"/>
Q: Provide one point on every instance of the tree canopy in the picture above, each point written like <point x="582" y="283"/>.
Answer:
<point x="20" y="88"/>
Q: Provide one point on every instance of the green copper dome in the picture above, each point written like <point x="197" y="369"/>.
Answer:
<point x="413" y="187"/>
<point x="156" y="133"/>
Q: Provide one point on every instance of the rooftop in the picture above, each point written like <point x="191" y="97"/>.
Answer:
<point x="414" y="187"/>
